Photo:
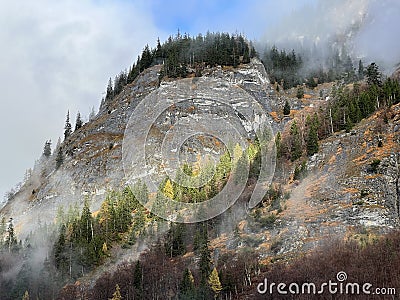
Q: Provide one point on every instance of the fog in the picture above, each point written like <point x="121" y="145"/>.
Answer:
<point x="58" y="56"/>
<point x="366" y="29"/>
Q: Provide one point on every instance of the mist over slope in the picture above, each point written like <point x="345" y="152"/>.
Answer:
<point x="366" y="29"/>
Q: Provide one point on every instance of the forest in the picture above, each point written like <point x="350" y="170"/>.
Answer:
<point x="348" y="105"/>
<point x="183" y="54"/>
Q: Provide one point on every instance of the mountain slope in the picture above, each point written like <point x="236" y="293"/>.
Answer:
<point x="93" y="153"/>
<point x="349" y="191"/>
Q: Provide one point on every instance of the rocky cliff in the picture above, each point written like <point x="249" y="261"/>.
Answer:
<point x="93" y="154"/>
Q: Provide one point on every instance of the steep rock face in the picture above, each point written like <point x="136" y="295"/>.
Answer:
<point x="92" y="163"/>
<point x="351" y="191"/>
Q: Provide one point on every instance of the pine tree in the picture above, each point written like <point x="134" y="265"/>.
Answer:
<point x="159" y="205"/>
<point x="105" y="218"/>
<point x="286" y="109"/>
<point x="67" y="128"/>
<point x="3" y="229"/>
<point x="205" y="257"/>
<point x="137" y="281"/>
<point x="300" y="93"/>
<point x="78" y="123"/>
<point x="215" y="283"/>
<point x="311" y="83"/>
<point x="59" y="158"/>
<point x="312" y="141"/>
<point x="175" y="244"/>
<point x="123" y="214"/>
<point x="140" y="219"/>
<point x="374" y="75"/>
<point x="237" y="152"/>
<point x="242" y="166"/>
<point x="86" y="223"/>
<point x="47" y="149"/>
<point x="146" y="58"/>
<point x="158" y="54"/>
<point x="110" y="90"/>
<point x="186" y="287"/>
<point x="168" y="190"/>
<point x="60" y="258"/>
<point x="278" y="145"/>
<point x="11" y="240"/>
<point x="295" y="148"/>
<point x="360" y="70"/>
<point x="246" y="55"/>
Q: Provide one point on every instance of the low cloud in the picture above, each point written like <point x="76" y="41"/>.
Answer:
<point x="58" y="56"/>
<point x="378" y="38"/>
<point x="367" y="28"/>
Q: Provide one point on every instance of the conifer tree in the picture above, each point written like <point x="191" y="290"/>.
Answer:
<point x="59" y="158"/>
<point x="300" y="93"/>
<point x="117" y="293"/>
<point x="110" y="90"/>
<point x="205" y="257"/>
<point x="295" y="149"/>
<point x="159" y="205"/>
<point x="246" y="55"/>
<point x="86" y="223"/>
<point x="158" y="53"/>
<point x="175" y="244"/>
<point x="242" y="166"/>
<point x="168" y="190"/>
<point x="78" y="123"/>
<point x="137" y="281"/>
<point x="311" y="82"/>
<point x="312" y="141"/>
<point x="60" y="257"/>
<point x="67" y="128"/>
<point x="146" y="58"/>
<point x="11" y="240"/>
<point x="3" y="229"/>
<point x="286" y="109"/>
<point x="360" y="70"/>
<point x="278" y="144"/>
<point x="186" y="287"/>
<point x="215" y="283"/>
<point x="47" y="149"/>
<point x="374" y="75"/>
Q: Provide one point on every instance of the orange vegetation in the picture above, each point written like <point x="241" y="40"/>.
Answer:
<point x="275" y="116"/>
<point x="350" y="190"/>
<point x="373" y="176"/>
<point x="332" y="160"/>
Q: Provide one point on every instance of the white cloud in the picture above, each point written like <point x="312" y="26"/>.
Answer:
<point x="58" y="55"/>
<point x="320" y="21"/>
<point x="368" y="27"/>
<point x="378" y="39"/>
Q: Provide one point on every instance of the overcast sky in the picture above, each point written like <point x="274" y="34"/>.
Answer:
<point x="58" y="55"/>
